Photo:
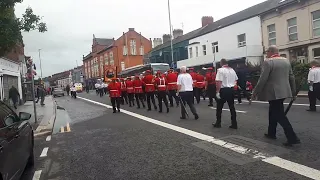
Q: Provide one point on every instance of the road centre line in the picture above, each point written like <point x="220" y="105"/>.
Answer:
<point x="229" y="110"/>
<point x="48" y="138"/>
<point x="36" y="175"/>
<point x="44" y="152"/>
<point x="270" y="159"/>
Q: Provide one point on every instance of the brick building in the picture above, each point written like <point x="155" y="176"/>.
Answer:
<point x="127" y="51"/>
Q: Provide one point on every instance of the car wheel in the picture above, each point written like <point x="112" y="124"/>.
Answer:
<point x="31" y="156"/>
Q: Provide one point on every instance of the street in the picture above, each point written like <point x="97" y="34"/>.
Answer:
<point x="90" y="142"/>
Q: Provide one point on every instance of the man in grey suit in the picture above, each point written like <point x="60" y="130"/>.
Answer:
<point x="277" y="83"/>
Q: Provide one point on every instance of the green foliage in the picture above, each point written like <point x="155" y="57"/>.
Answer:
<point x="11" y="27"/>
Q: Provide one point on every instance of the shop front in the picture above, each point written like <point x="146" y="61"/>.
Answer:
<point x="9" y="76"/>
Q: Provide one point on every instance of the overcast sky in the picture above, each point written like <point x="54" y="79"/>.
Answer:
<point x="71" y="24"/>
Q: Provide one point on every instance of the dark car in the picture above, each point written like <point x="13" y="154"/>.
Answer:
<point x="16" y="143"/>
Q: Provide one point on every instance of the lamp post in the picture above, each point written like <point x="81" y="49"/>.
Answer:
<point x="40" y="63"/>
<point x="170" y="32"/>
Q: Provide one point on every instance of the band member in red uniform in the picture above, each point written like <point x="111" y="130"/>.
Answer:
<point x="194" y="76"/>
<point x="172" y="87"/>
<point x="148" y="80"/>
<point x="199" y="87"/>
<point x="114" y="92"/>
<point x="161" y="84"/>
<point x="211" y="85"/>
<point x="138" y="91"/>
<point x="130" y="91"/>
<point x="124" y="95"/>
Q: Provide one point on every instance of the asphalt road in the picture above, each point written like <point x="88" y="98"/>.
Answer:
<point x="136" y="144"/>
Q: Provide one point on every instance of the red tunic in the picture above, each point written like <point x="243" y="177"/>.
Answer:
<point x="211" y="77"/>
<point x="129" y="87"/>
<point x="172" y="81"/>
<point x="149" y="82"/>
<point x="114" y="89"/>
<point x="200" y="81"/>
<point x="137" y="86"/>
<point x="161" y="83"/>
<point x="194" y="76"/>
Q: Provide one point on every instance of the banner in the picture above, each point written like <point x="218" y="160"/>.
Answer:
<point x="109" y="72"/>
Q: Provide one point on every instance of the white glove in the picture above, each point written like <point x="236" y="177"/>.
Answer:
<point x="218" y="95"/>
<point x="311" y="88"/>
<point x="177" y="94"/>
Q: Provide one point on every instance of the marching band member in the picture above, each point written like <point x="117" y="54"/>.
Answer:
<point x="114" y="93"/>
<point x="130" y="91"/>
<point x="172" y="87"/>
<point x="211" y="85"/>
<point x="138" y="91"/>
<point x="124" y="95"/>
<point x="161" y="84"/>
<point x="193" y="75"/>
<point x="199" y="87"/>
<point x="149" y="88"/>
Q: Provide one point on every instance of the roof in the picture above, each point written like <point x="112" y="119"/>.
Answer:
<point x="106" y="48"/>
<point x="229" y="20"/>
<point x="104" y="41"/>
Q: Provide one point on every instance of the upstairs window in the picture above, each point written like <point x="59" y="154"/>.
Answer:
<point x="241" y="40"/>
<point x="292" y="29"/>
<point x="204" y="49"/>
<point x="272" y="34"/>
<point x="316" y="23"/>
<point x="215" y="48"/>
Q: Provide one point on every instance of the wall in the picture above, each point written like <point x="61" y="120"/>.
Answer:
<point x="302" y="11"/>
<point x="227" y="39"/>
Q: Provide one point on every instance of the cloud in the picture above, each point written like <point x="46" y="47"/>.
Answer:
<point x="71" y="24"/>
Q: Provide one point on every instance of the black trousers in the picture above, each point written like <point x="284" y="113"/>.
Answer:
<point x="115" y="101"/>
<point x="199" y="92"/>
<point x="277" y="115"/>
<point x="131" y="99"/>
<point x="245" y="93"/>
<point x="150" y="96"/>
<point x="313" y="96"/>
<point x="162" y="96"/>
<point x="211" y="92"/>
<point x="187" y="98"/>
<point x="124" y="97"/>
<point x="227" y="95"/>
<point x="172" y="94"/>
<point x="140" y="98"/>
<point x="101" y="92"/>
<point x="68" y="92"/>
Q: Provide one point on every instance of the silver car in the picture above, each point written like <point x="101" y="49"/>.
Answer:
<point x="57" y="92"/>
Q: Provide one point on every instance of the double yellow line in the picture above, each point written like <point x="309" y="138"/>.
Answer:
<point x="67" y="130"/>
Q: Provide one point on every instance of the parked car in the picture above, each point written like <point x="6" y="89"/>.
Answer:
<point x="57" y="92"/>
<point x="16" y="143"/>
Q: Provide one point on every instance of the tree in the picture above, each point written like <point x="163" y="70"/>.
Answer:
<point x="11" y="26"/>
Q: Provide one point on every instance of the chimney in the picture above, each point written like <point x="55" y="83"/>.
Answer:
<point x="166" y="38"/>
<point x="177" y="33"/>
<point x="206" y="20"/>
<point x="157" y="42"/>
<point x="131" y="29"/>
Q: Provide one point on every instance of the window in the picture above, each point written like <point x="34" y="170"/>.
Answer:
<point x="101" y="59"/>
<point x="106" y="61"/>
<point x="197" y="52"/>
<point x="316" y="23"/>
<point x="101" y="67"/>
<point x="204" y="49"/>
<point x="241" y="40"/>
<point x="141" y="50"/>
<point x="215" y="48"/>
<point x="133" y="47"/>
<point x="125" y="50"/>
<point x="6" y="116"/>
<point x="272" y="34"/>
<point x="316" y="53"/>
<point x="111" y="58"/>
<point x="190" y="52"/>
<point x="292" y="29"/>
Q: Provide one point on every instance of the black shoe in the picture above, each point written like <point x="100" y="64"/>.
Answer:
<point x="114" y="111"/>
<point x="167" y="110"/>
<point x="118" y="110"/>
<point x="210" y="105"/>
<point x="196" y="117"/>
<point x="216" y="125"/>
<point x="138" y="107"/>
<point x="148" y="109"/>
<point x="233" y="127"/>
<point x="155" y="108"/>
<point x="289" y="144"/>
<point x="144" y="106"/>
<point x="160" y="111"/>
<point x="270" y="137"/>
<point x="311" y="110"/>
<point x="182" y="117"/>
<point x="130" y="105"/>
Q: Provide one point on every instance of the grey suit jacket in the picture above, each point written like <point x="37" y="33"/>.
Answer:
<point x="276" y="80"/>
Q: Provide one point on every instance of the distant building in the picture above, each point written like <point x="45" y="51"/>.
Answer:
<point x="77" y="75"/>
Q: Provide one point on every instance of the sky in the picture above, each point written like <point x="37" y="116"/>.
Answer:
<point x="72" y="23"/>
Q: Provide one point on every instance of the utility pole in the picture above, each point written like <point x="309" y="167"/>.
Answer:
<point x="32" y="91"/>
<point x="170" y="32"/>
<point x="40" y="63"/>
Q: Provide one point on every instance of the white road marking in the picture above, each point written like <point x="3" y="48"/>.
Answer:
<point x="36" y="175"/>
<point x="48" y="138"/>
<point x="229" y="110"/>
<point x="294" y="104"/>
<point x="274" y="160"/>
<point x="44" y="152"/>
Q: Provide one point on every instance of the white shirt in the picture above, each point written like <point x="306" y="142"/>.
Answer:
<point x="227" y="76"/>
<point x="73" y="89"/>
<point x="314" y="75"/>
<point x="186" y="82"/>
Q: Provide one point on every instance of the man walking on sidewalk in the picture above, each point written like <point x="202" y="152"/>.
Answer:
<point x="225" y="81"/>
<point x="314" y="85"/>
<point x="277" y="83"/>
<point x="185" y="91"/>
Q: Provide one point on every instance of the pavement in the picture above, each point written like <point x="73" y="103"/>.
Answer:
<point x="90" y="142"/>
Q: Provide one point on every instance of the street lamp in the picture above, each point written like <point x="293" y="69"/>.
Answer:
<point x="40" y="63"/>
<point x="170" y="32"/>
